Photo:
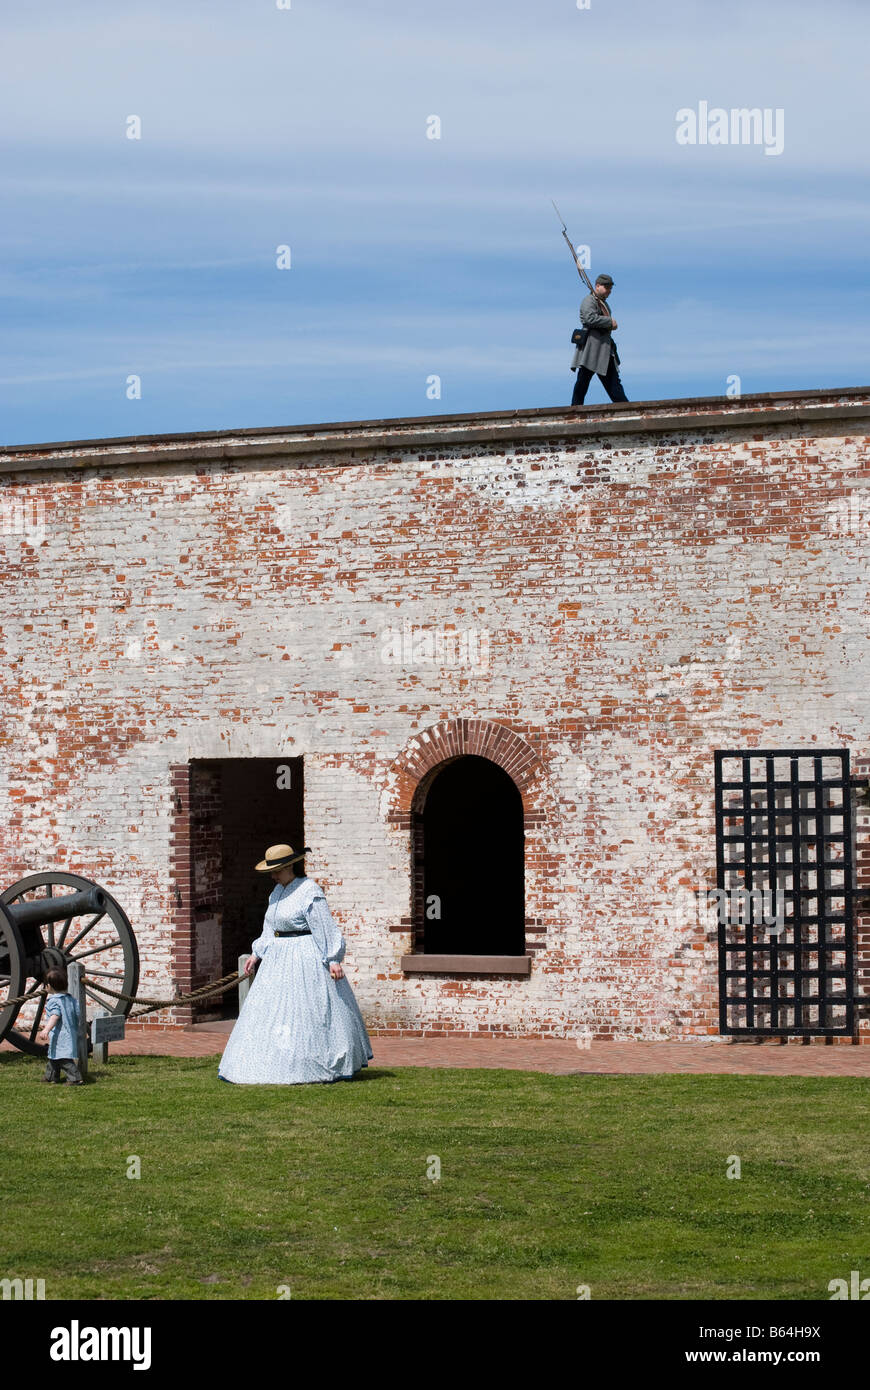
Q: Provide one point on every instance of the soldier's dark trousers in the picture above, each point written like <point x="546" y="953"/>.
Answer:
<point x="70" y="1066"/>
<point x="612" y="383"/>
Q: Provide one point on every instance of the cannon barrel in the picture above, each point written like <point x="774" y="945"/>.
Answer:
<point x="45" y="910"/>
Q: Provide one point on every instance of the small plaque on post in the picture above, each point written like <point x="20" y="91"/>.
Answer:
<point x="107" y="1028"/>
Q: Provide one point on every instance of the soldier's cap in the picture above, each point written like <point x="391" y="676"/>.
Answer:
<point x="604" y="279"/>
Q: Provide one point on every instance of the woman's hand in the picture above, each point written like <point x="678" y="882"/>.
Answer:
<point x="335" y="970"/>
<point x="251" y="964"/>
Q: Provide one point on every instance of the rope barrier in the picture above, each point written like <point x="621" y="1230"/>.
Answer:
<point x="22" y="998"/>
<point x="154" y="1005"/>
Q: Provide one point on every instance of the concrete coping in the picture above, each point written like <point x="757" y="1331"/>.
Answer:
<point x="848" y="407"/>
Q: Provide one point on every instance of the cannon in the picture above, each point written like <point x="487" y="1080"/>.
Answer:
<point x="46" y="921"/>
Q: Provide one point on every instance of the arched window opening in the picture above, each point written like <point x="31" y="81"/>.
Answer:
<point x="472" y="851"/>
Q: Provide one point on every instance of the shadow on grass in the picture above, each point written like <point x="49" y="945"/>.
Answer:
<point x="372" y="1074"/>
<point x="16" y="1059"/>
<point x="118" y="1067"/>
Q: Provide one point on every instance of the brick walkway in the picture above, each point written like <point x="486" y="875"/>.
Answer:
<point x="557" y="1056"/>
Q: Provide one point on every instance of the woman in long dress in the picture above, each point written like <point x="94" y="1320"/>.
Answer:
<point x="300" y="1021"/>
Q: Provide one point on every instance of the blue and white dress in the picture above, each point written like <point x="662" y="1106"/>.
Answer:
<point x="297" y="1024"/>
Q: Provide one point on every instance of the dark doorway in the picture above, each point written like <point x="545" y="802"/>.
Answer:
<point x="238" y="807"/>
<point x="473" y="861"/>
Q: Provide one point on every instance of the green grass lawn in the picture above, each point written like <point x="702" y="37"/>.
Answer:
<point x="547" y="1182"/>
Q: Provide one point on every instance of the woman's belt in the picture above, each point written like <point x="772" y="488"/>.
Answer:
<point x="304" y="931"/>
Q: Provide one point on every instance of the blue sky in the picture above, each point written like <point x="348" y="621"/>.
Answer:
<point x="412" y="257"/>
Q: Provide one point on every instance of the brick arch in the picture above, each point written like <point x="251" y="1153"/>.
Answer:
<point x="411" y="775"/>
<point x="412" y="770"/>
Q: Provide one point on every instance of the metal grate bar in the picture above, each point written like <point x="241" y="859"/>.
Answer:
<point x="772" y="883"/>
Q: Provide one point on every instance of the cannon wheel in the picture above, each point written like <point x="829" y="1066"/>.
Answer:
<point x="72" y="938"/>
<point x="12" y="971"/>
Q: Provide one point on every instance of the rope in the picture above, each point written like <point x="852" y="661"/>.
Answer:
<point x="22" y="998"/>
<point x="154" y="1005"/>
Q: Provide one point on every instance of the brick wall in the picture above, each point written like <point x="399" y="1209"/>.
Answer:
<point x="597" y="601"/>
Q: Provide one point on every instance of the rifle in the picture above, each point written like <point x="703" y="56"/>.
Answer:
<point x="579" y="336"/>
<point x="580" y="271"/>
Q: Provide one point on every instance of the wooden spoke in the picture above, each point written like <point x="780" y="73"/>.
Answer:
<point x="68" y="945"/>
<point x="37" y="1019"/>
<point x="104" y="1000"/>
<point x="94" y="949"/>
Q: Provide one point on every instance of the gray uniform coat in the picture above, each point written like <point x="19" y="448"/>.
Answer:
<point x="596" y="354"/>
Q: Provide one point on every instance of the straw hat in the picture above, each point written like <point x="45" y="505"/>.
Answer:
<point x="279" y="857"/>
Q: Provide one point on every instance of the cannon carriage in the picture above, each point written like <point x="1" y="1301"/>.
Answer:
<point x="46" y="921"/>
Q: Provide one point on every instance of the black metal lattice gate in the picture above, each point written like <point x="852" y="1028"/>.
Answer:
<point x="784" y="892"/>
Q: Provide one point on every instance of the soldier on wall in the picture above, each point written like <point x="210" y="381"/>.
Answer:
<point x="595" y="350"/>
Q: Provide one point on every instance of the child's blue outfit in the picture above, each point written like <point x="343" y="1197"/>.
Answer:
<point x="63" y="1046"/>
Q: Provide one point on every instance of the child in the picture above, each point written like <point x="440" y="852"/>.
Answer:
<point x="61" y="1030"/>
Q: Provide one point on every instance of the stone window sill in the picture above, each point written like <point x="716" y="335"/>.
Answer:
<point x="421" y="964"/>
